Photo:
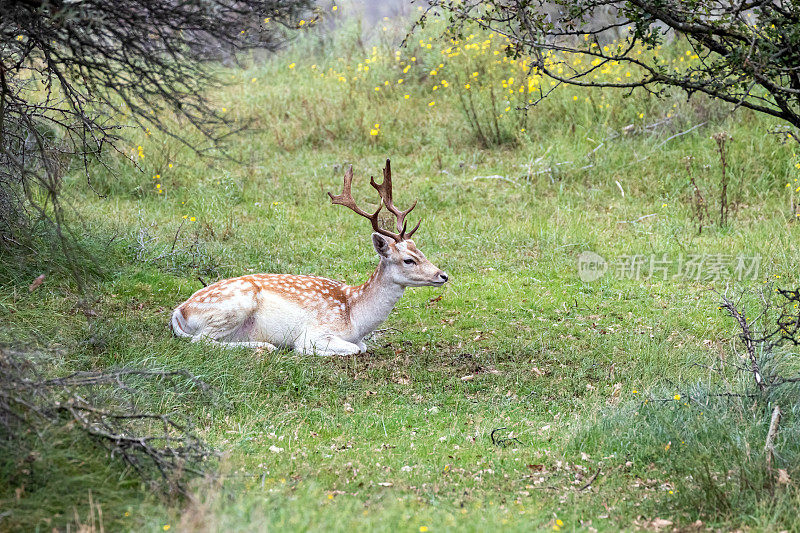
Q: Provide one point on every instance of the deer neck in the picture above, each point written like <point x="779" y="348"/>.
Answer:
<point x="373" y="301"/>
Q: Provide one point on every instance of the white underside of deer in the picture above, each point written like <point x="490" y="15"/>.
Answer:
<point x="306" y="313"/>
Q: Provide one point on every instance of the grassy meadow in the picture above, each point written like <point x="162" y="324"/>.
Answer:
<point x="602" y="392"/>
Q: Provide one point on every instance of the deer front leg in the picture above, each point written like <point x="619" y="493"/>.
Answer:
<point x="326" y="344"/>
<point x="245" y="344"/>
<point x="361" y="347"/>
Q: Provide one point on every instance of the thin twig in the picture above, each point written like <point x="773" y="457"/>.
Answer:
<point x="591" y="480"/>
<point x="769" y="446"/>
<point x="496" y="177"/>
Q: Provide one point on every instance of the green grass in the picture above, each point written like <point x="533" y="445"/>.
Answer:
<point x="552" y="359"/>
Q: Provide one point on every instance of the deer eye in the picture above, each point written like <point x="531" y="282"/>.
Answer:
<point x="409" y="261"/>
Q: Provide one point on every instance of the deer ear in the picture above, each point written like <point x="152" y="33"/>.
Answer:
<point x="381" y="244"/>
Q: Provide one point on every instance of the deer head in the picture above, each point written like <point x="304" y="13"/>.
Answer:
<point x="405" y="264"/>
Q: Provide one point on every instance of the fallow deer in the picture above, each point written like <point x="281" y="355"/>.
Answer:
<point x="307" y="313"/>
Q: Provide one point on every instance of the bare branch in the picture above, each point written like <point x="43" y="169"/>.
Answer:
<point x="148" y="442"/>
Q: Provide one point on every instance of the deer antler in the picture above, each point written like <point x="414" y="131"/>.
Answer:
<point x="346" y="199"/>
<point x="385" y="191"/>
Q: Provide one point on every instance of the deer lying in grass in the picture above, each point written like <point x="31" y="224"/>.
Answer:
<point x="307" y="313"/>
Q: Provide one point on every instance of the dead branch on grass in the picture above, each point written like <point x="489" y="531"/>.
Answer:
<point x="103" y="406"/>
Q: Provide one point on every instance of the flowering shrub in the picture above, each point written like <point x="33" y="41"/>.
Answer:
<point x="494" y="90"/>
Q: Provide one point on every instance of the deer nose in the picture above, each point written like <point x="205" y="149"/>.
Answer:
<point x="443" y="276"/>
